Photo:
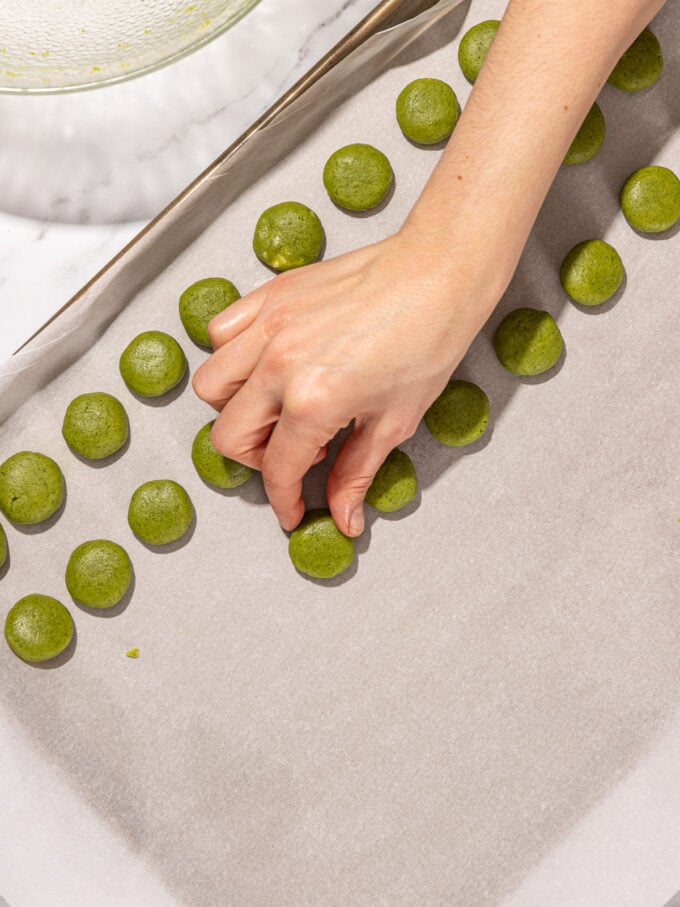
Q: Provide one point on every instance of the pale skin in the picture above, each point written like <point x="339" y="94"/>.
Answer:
<point x="371" y="338"/>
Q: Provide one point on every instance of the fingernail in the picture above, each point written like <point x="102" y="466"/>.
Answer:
<point x="356" y="520"/>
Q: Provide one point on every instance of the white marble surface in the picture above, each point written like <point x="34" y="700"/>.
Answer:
<point x="83" y="173"/>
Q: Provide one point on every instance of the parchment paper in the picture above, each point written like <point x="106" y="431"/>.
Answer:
<point x="426" y="728"/>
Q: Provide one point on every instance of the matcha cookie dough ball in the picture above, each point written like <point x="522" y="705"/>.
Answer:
<point x="591" y="272"/>
<point x="98" y="573"/>
<point x="152" y="364"/>
<point x="427" y="111"/>
<point x="160" y="512"/>
<point x="640" y="66"/>
<point x="588" y="139"/>
<point x="95" y="425"/>
<point x="528" y="342"/>
<point x="32" y="487"/>
<point x="200" y="302"/>
<point x="212" y="466"/>
<point x="460" y="414"/>
<point x="357" y="177"/>
<point x="288" y="235"/>
<point x="318" y="548"/>
<point x="4" y="549"/>
<point x="38" y="628"/>
<point x="650" y="199"/>
<point x="395" y="484"/>
<point x="474" y="46"/>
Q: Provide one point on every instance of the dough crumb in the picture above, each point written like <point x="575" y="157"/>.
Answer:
<point x="132" y="653"/>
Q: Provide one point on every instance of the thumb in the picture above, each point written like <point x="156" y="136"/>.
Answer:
<point x="360" y="457"/>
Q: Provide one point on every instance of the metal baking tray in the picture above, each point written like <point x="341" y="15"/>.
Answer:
<point x="385" y="15"/>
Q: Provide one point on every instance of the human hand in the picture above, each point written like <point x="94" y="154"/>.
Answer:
<point x="365" y="338"/>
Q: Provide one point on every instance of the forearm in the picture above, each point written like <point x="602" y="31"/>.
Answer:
<point x="545" y="68"/>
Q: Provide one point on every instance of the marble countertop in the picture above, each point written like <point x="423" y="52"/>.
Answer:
<point x="89" y="170"/>
<point x="83" y="173"/>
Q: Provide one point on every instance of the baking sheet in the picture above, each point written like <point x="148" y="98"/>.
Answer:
<point x="428" y="727"/>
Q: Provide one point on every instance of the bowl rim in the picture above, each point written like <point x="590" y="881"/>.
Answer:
<point x="134" y="72"/>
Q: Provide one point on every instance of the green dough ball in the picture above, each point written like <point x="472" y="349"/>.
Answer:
<point x="427" y="111"/>
<point x="288" y="235"/>
<point x="4" y="550"/>
<point x="357" y="177"/>
<point x="588" y="139"/>
<point x="31" y="487"/>
<point x="528" y="342"/>
<point x="460" y="414"/>
<point x="38" y="628"/>
<point x="152" y="364"/>
<point x="318" y="548"/>
<point x="474" y="46"/>
<point x="591" y="272"/>
<point x="95" y="425"/>
<point x="200" y="302"/>
<point x="640" y="66"/>
<point x="395" y="484"/>
<point x="650" y="199"/>
<point x="98" y="573"/>
<point x="160" y="512"/>
<point x="212" y="466"/>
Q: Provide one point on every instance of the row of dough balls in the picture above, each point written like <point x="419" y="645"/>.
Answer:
<point x="357" y="177"/>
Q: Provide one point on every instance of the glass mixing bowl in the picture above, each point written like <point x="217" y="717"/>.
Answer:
<point x="67" y="45"/>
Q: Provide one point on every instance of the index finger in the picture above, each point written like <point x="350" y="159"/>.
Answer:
<point x="235" y="319"/>
<point x="293" y="448"/>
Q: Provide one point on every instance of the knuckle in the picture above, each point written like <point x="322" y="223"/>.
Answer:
<point x="397" y="430"/>
<point x="200" y="385"/>
<point x="278" y="356"/>
<point x="277" y="490"/>
<point x="304" y="401"/>
<point x="276" y="320"/>
<point x="408" y="428"/>
<point x="356" y="486"/>
<point x="221" y="440"/>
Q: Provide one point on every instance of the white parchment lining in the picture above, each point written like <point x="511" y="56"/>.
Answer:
<point x="426" y="728"/>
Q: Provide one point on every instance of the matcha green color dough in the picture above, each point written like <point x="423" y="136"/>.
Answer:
<point x="38" y="628"/>
<point x="591" y="272"/>
<point x="98" y="573"/>
<point x="528" y="341"/>
<point x="427" y="111"/>
<point x="474" y="46"/>
<point x="357" y="177"/>
<point x="201" y="301"/>
<point x="160" y="512"/>
<point x="288" y="235"/>
<point x="212" y="466"/>
<point x="32" y="487"/>
<point x="650" y="199"/>
<point x="460" y="414"/>
<point x="95" y="425"/>
<point x="318" y="548"/>
<point x="640" y="66"/>
<point x="395" y="484"/>
<point x="152" y="364"/>
<point x="588" y="139"/>
<point x="4" y="549"/>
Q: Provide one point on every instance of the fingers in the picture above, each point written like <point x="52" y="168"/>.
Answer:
<point x="294" y="446"/>
<point x="360" y="457"/>
<point x="242" y="429"/>
<point x="221" y="376"/>
<point x="235" y="319"/>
